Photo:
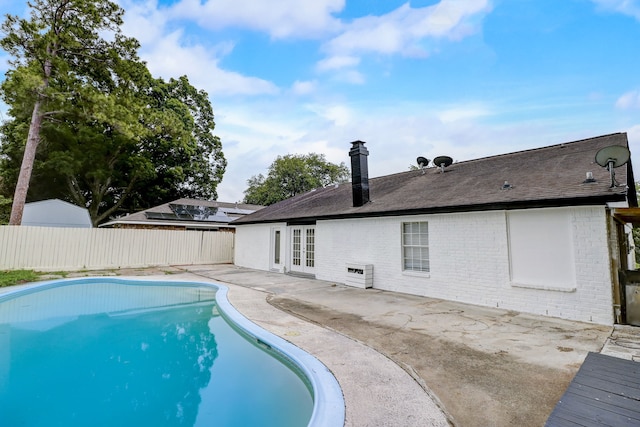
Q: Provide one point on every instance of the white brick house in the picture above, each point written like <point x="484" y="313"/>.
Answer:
<point x="548" y="243"/>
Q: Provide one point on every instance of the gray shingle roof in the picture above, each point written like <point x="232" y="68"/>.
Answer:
<point x="548" y="176"/>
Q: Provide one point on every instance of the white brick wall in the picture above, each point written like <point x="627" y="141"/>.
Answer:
<point x="469" y="256"/>
<point x="469" y="260"/>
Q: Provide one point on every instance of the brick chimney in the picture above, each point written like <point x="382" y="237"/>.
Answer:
<point x="359" y="173"/>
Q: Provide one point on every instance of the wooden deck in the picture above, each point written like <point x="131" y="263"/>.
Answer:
<point x="604" y="392"/>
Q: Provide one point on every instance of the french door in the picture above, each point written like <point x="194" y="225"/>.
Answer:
<point x="303" y="245"/>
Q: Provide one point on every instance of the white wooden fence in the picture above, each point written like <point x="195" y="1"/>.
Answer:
<point x="57" y="249"/>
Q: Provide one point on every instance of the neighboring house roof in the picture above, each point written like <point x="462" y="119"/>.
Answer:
<point x="55" y="213"/>
<point x="188" y="213"/>
<point x="542" y="177"/>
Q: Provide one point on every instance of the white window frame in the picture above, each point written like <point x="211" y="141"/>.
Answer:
<point x="302" y="249"/>
<point x="276" y="253"/>
<point x="415" y="241"/>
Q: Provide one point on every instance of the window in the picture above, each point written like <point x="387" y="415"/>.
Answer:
<point x="311" y="238"/>
<point x="297" y="246"/>
<point x="415" y="246"/>
<point x="276" y="247"/>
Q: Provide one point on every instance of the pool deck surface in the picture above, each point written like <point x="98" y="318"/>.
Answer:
<point x="405" y="360"/>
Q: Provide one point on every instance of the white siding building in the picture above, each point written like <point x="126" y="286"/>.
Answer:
<point x="549" y="243"/>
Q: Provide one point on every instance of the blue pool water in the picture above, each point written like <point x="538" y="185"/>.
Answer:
<point x="113" y="353"/>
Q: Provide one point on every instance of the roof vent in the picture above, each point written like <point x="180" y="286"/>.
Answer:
<point x="442" y="162"/>
<point x="589" y="178"/>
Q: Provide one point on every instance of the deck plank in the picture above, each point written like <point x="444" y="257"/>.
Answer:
<point x="604" y="392"/>
<point x="603" y="396"/>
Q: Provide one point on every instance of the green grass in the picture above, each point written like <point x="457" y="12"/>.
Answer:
<point x="16" y="277"/>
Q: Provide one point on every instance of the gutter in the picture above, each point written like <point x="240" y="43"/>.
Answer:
<point x="544" y="203"/>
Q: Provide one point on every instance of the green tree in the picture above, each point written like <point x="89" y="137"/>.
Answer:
<point x="59" y="47"/>
<point x="291" y="175"/>
<point x="187" y="157"/>
<point x="91" y="164"/>
<point x="109" y="136"/>
<point x="5" y="210"/>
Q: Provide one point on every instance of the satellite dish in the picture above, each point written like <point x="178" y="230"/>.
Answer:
<point x="616" y="155"/>
<point x="423" y="162"/>
<point x="612" y="157"/>
<point x="442" y="162"/>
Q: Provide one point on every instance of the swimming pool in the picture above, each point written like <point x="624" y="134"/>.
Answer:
<point x="111" y="351"/>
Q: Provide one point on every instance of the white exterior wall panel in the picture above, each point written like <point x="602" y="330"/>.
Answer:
<point x="253" y="246"/>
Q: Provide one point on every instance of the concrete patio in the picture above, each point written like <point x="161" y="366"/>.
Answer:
<point x="481" y="366"/>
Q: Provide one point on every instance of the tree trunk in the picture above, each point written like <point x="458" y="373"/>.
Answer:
<point x="20" y="195"/>
<point x="33" y="139"/>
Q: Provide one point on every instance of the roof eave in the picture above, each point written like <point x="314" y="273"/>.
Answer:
<point x="527" y="204"/>
<point x="170" y="224"/>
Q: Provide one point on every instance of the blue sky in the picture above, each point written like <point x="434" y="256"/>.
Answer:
<point x="463" y="78"/>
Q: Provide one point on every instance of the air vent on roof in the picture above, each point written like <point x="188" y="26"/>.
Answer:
<point x="612" y="157"/>
<point x="442" y="162"/>
<point x="423" y="162"/>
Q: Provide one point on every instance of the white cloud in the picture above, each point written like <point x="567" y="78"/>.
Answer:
<point x="268" y="122"/>
<point x="279" y="19"/>
<point x="629" y="100"/>
<point x="168" y="55"/>
<point x="337" y="62"/>
<point x="626" y="7"/>
<point x="304" y="87"/>
<point x="143" y="20"/>
<point x="402" y="30"/>
<point x="168" y="58"/>
<point x="633" y="134"/>
<point x="395" y="134"/>
<point x="253" y="136"/>
<point x="462" y="113"/>
<point x="254" y="133"/>
<point x="336" y="115"/>
<point x="353" y="77"/>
